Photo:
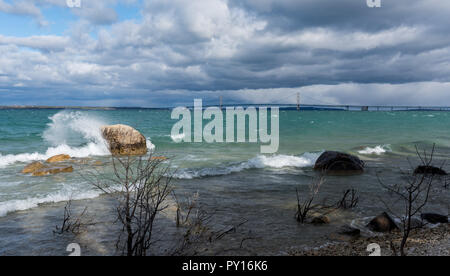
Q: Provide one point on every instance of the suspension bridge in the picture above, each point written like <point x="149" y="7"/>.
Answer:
<point x="321" y="105"/>
<point x="292" y="101"/>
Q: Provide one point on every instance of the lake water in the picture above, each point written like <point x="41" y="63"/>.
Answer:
<point x="234" y="180"/>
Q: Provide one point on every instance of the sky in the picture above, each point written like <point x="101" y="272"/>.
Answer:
<point x="161" y="53"/>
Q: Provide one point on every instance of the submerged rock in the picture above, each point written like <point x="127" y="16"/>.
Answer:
<point x="124" y="140"/>
<point x="49" y="168"/>
<point x="349" y="231"/>
<point x="434" y="218"/>
<point x="160" y="158"/>
<point x="429" y="170"/>
<point x="339" y="163"/>
<point x="58" y="158"/>
<point x="416" y="223"/>
<point x="53" y="170"/>
<point x="33" y="167"/>
<point x="320" y="220"/>
<point x="382" y="223"/>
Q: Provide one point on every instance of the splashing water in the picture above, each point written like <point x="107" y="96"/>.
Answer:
<point x="74" y="133"/>
<point x="378" y="150"/>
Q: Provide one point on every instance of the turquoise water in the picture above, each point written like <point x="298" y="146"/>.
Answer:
<point x="34" y="131"/>
<point x="232" y="177"/>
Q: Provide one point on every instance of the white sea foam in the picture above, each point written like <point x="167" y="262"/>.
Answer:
<point x="150" y="145"/>
<point x="177" y="138"/>
<point x="64" y="128"/>
<point x="378" y="150"/>
<point x="60" y="196"/>
<point x="281" y="161"/>
<point x="259" y="162"/>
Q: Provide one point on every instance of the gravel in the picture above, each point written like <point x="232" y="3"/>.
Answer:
<point x="432" y="241"/>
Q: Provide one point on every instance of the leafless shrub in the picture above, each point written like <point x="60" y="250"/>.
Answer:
<point x="307" y="205"/>
<point x="349" y="199"/>
<point x="142" y="186"/>
<point x="186" y="208"/>
<point x="195" y="223"/>
<point x="414" y="194"/>
<point x="70" y="223"/>
<point x="446" y="184"/>
<point x="198" y="234"/>
<point x="143" y="190"/>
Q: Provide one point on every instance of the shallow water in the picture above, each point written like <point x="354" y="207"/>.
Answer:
<point x="234" y="181"/>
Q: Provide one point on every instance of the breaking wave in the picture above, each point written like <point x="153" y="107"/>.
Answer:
<point x="378" y="150"/>
<point x="259" y="162"/>
<point x="177" y="137"/>
<point x="33" y="202"/>
<point x="74" y="133"/>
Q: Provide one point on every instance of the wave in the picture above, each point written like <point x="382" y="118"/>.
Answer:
<point x="29" y="203"/>
<point x="177" y="137"/>
<point x="91" y="149"/>
<point x="259" y="162"/>
<point x="150" y="145"/>
<point x="67" y="128"/>
<point x="378" y="150"/>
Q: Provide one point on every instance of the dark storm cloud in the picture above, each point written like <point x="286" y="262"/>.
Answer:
<point x="179" y="50"/>
<point x="347" y="14"/>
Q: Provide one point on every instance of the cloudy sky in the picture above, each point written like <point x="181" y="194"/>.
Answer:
<point x="168" y="52"/>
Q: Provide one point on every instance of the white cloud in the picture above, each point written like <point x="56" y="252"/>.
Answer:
<point x="323" y="38"/>
<point x="220" y="45"/>
<point x="23" y="7"/>
<point x="46" y="43"/>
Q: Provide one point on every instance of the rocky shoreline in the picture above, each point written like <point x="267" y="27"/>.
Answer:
<point x="433" y="241"/>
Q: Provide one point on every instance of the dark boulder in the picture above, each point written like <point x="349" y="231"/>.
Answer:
<point x="382" y="223"/>
<point x="434" y="218"/>
<point x="429" y="170"/>
<point x="338" y="162"/>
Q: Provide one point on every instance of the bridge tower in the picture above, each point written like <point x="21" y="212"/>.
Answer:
<point x="220" y="102"/>
<point x="298" y="101"/>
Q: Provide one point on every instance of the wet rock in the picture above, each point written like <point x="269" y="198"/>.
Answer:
<point x="58" y="158"/>
<point x="340" y="237"/>
<point x="416" y="223"/>
<point x="429" y="170"/>
<point x="53" y="170"/>
<point x="349" y="231"/>
<point x="382" y="223"/>
<point x="339" y="163"/>
<point x="33" y="167"/>
<point x="124" y="140"/>
<point x="434" y="218"/>
<point x="160" y="158"/>
<point x="320" y="220"/>
<point x="82" y="161"/>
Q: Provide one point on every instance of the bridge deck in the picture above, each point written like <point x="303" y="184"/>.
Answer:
<point x="348" y="107"/>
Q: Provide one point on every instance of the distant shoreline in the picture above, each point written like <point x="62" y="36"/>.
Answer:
<point x="307" y="108"/>
<point x="23" y="107"/>
<point x="76" y="107"/>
